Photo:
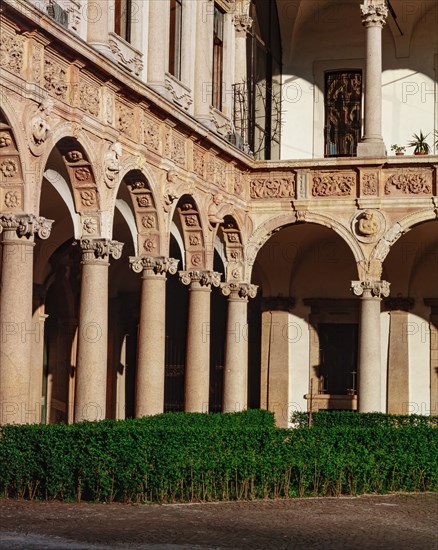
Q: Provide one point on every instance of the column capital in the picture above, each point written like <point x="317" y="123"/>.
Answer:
<point x="242" y="24"/>
<point x="26" y="225"/>
<point x="239" y="291"/>
<point x="150" y="265"/>
<point x="100" y="249"/>
<point x="374" y="13"/>
<point x="199" y="279"/>
<point x="368" y="289"/>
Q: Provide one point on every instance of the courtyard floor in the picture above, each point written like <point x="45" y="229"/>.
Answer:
<point x="403" y="521"/>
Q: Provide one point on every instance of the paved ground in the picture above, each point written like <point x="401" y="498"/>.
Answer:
<point x="368" y="522"/>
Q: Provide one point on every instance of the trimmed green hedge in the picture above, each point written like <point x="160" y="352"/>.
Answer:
<point x="177" y="457"/>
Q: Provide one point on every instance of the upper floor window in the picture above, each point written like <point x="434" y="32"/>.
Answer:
<point x="343" y="94"/>
<point x="122" y="19"/>
<point x="175" y="40"/>
<point x="218" y="56"/>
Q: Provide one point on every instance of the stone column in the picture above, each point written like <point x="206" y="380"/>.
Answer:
<point x="158" y="41"/>
<point x="203" y="61"/>
<point x="18" y="332"/>
<point x="370" y="368"/>
<point x="98" y="25"/>
<point x="235" y="396"/>
<point x="433" y="327"/>
<point x="91" y="369"/>
<point x="149" y="383"/>
<point x="242" y="25"/>
<point x="374" y="13"/>
<point x="197" y="367"/>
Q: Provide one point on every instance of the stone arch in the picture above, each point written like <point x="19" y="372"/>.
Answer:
<point x="11" y="168"/>
<point x="272" y="225"/>
<point x="192" y="229"/>
<point x="382" y="248"/>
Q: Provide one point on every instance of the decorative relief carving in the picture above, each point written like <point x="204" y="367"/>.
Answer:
<point x="377" y="289"/>
<point x="37" y="58"/>
<point x="9" y="168"/>
<point x="167" y="141"/>
<point x="384" y="245"/>
<point x="149" y="245"/>
<point x="242" y="23"/>
<point x="200" y="278"/>
<point x="74" y="156"/>
<point x="220" y="173"/>
<point x="153" y="265"/>
<point x="191" y="220"/>
<point x="11" y="52"/>
<point x="125" y="119"/>
<point x="277" y="187"/>
<point x="178" y="151"/>
<point x="221" y="122"/>
<point x="100" y="249"/>
<point x="39" y="123"/>
<point x="5" y="139"/>
<point x="196" y="260"/>
<point x="90" y="225"/>
<point x="26" y="225"/>
<point x="90" y="98"/>
<point x="82" y="174"/>
<point x="112" y="164"/>
<point x="239" y="291"/>
<point x="374" y="13"/>
<point x="126" y="55"/>
<point x="333" y="184"/>
<point x="369" y="184"/>
<point x="180" y="94"/>
<point x="409" y="181"/>
<point x="55" y="79"/>
<point x="368" y="225"/>
<point x="214" y="208"/>
<point x="151" y="134"/>
<point x="194" y="240"/>
<point x="198" y="162"/>
<point x="144" y="201"/>
<point x="12" y="199"/>
<point x="109" y="109"/>
<point x="88" y="197"/>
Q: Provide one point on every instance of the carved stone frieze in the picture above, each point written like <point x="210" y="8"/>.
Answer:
<point x="198" y="279"/>
<point x="333" y="184"/>
<point x="11" y="52"/>
<point x="150" y="265"/>
<point x="126" y="55"/>
<point x="93" y="249"/>
<point x="376" y="289"/>
<point x="89" y="96"/>
<point x="180" y="94"/>
<point x="220" y="122"/>
<point x="198" y="162"/>
<point x="151" y="134"/>
<point x="274" y="187"/>
<point x="125" y="119"/>
<point x="374" y="13"/>
<point x="37" y="60"/>
<point x="26" y="225"/>
<point x="369" y="183"/>
<point x="239" y="291"/>
<point x="178" y="151"/>
<point x="55" y="79"/>
<point x="409" y="181"/>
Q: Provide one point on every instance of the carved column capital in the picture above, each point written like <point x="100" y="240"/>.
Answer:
<point x="371" y="289"/>
<point x="239" y="291"/>
<point x="100" y="249"/>
<point x="26" y="225"/>
<point x="242" y="24"/>
<point x="374" y="13"/>
<point x="200" y="279"/>
<point x="149" y="265"/>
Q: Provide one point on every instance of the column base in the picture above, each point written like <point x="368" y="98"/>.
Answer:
<point x="371" y="149"/>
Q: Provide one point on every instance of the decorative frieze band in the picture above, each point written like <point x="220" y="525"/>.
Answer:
<point x="200" y="279"/>
<point x="153" y="265"/>
<point x="274" y="187"/>
<point x="377" y="289"/>
<point x="409" y="181"/>
<point x="26" y="225"/>
<point x="333" y="184"/>
<point x="239" y="291"/>
<point x="93" y="249"/>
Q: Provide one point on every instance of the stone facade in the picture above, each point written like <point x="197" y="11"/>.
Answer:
<point x="114" y="175"/>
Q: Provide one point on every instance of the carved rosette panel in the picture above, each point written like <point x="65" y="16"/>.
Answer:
<point x="100" y="249"/>
<point x="193" y="239"/>
<point x="82" y="178"/>
<point x="90" y="225"/>
<point x="149" y="265"/>
<point x="368" y="289"/>
<point x="239" y="291"/>
<point x="199" y="161"/>
<point x="89" y="97"/>
<point x="369" y="183"/>
<point x="26" y="225"/>
<point x="146" y="217"/>
<point x="56" y="78"/>
<point x="334" y="184"/>
<point x="125" y="119"/>
<point x="220" y="173"/>
<point x="11" y="50"/>
<point x="200" y="279"/>
<point x="272" y="186"/>
<point x="178" y="150"/>
<point x="151" y="134"/>
<point x="409" y="181"/>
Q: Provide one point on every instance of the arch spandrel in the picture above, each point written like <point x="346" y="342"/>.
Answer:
<point x="193" y="232"/>
<point x="11" y="171"/>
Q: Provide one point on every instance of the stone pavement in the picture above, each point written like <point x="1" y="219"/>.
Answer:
<point x="403" y="521"/>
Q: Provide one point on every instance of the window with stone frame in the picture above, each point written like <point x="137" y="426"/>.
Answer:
<point x="342" y="106"/>
<point x="123" y="19"/>
<point x="218" y="56"/>
<point x="175" y="38"/>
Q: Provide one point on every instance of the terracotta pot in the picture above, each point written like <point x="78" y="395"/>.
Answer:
<point x="420" y="153"/>
<point x="399" y="154"/>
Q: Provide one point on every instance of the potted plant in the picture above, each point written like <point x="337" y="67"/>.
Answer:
<point x="399" y="150"/>
<point x="421" y="147"/>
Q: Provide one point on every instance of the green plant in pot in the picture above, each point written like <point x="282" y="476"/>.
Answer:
<point x="398" y="149"/>
<point x="421" y="147"/>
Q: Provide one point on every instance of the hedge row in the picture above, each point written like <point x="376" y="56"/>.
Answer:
<point x="179" y="457"/>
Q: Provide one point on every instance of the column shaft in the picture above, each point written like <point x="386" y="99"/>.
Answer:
<point x="158" y="40"/>
<point x="236" y="357"/>
<point x="98" y="25"/>
<point x="203" y="61"/>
